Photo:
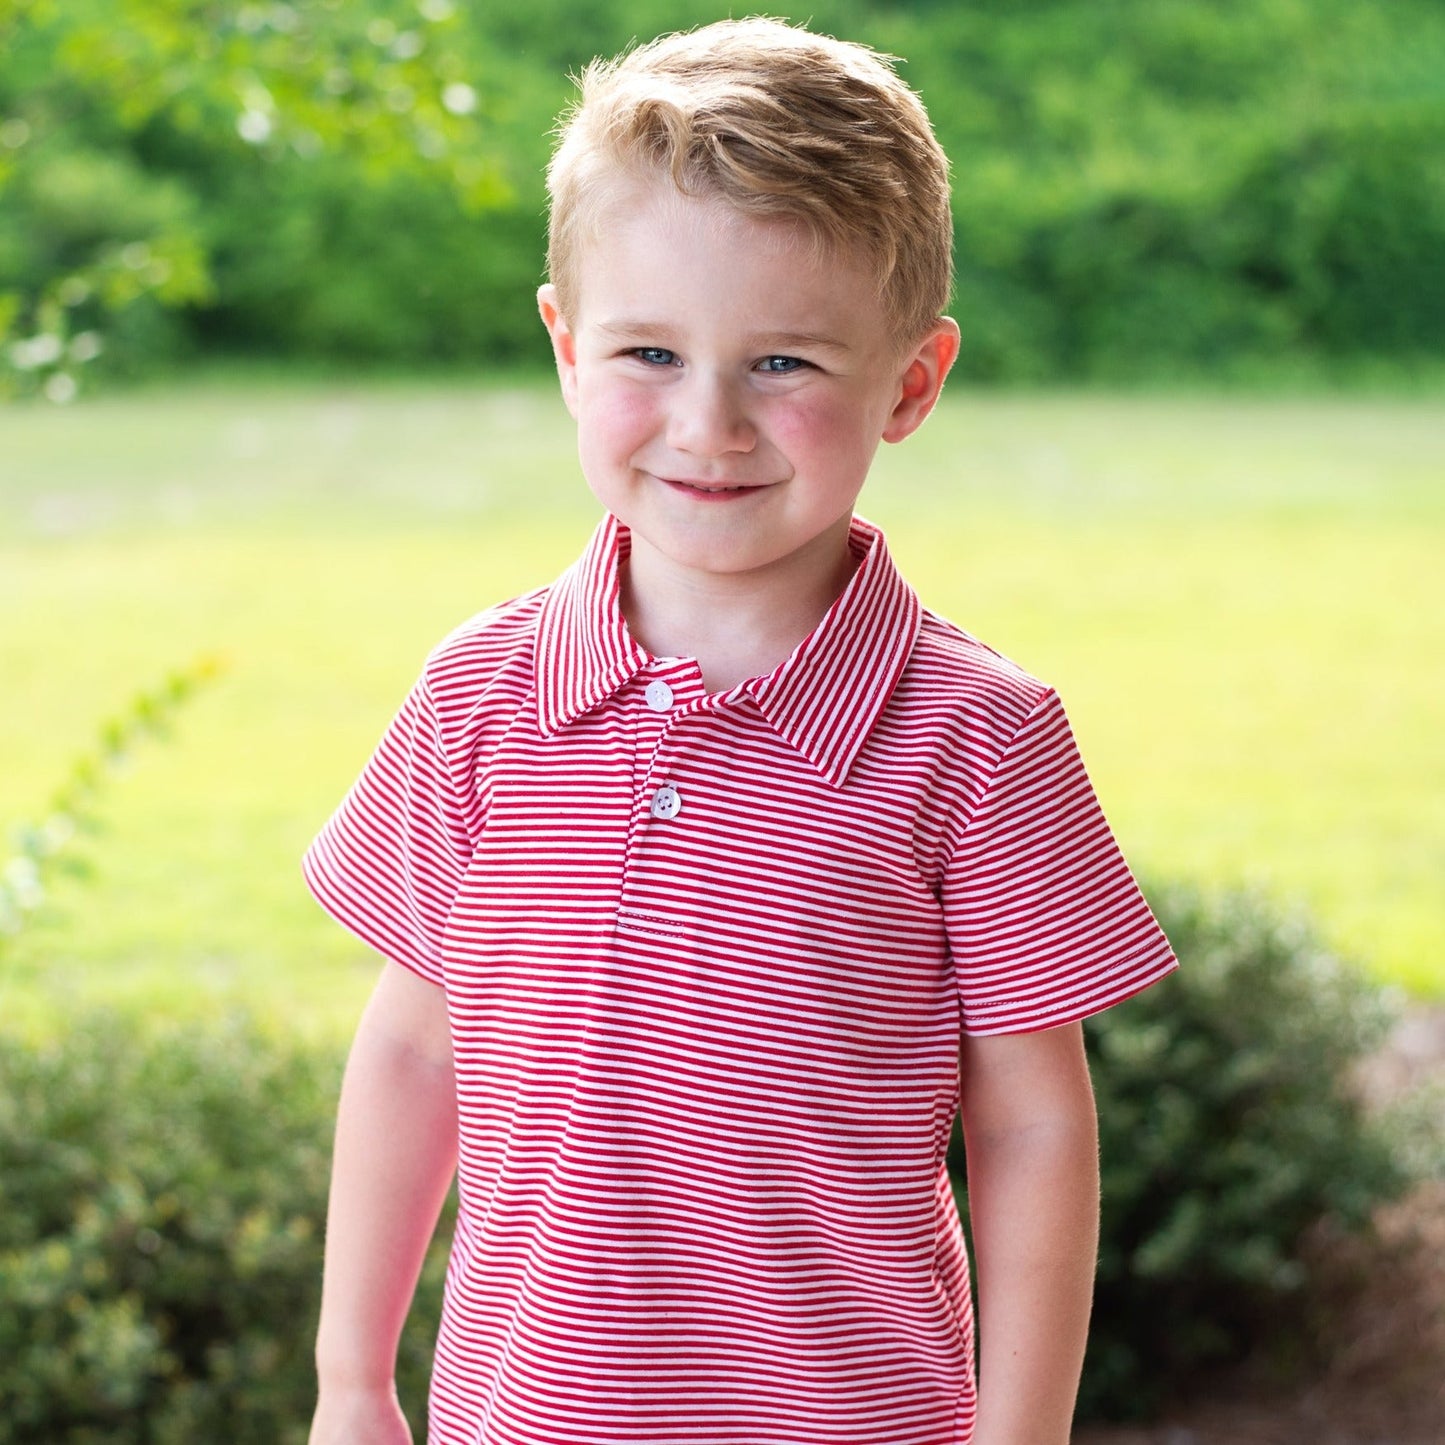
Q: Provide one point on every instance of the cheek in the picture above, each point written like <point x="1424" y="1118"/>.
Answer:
<point x="613" y="422"/>
<point x="809" y="426"/>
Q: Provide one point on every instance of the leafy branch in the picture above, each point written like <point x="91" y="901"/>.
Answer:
<point x="43" y="850"/>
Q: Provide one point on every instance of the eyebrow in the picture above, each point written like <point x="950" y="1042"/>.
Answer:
<point x="642" y="332"/>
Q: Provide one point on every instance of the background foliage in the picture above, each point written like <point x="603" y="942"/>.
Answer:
<point x="1143" y="187"/>
<point x="162" y="1195"/>
<point x="153" y="151"/>
<point x="1229" y="1123"/>
<point x="43" y="847"/>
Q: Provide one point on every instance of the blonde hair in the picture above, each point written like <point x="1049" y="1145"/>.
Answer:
<point x="782" y="124"/>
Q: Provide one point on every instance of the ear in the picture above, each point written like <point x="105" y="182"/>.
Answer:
<point x="924" y="369"/>
<point x="564" y="344"/>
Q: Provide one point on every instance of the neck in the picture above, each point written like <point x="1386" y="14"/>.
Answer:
<point x="736" y="625"/>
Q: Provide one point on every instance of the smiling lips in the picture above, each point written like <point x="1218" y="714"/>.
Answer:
<point x="712" y="489"/>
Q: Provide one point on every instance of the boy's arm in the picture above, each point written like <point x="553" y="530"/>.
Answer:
<point x="1031" y="1136"/>
<point x="396" y="1148"/>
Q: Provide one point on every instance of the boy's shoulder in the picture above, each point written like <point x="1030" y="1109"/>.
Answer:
<point x="955" y="667"/>
<point x="494" y="646"/>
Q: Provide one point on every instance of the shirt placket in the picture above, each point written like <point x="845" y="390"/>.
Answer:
<point x="671" y="694"/>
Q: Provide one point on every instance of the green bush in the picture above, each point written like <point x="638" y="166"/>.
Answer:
<point x="1229" y="1124"/>
<point x="162" y="1199"/>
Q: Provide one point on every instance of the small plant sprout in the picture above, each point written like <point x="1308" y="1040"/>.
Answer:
<point x="42" y="850"/>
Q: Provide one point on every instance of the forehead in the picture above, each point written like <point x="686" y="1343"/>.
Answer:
<point x="652" y="245"/>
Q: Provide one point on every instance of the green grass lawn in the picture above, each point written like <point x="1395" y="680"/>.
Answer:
<point x="1240" y="600"/>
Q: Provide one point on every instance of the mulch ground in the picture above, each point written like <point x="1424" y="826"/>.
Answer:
<point x="1384" y="1303"/>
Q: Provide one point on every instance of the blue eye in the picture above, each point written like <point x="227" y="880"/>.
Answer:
<point x="781" y="365"/>
<point x="655" y="355"/>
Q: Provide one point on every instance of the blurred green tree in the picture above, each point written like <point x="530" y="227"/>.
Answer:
<point x="111" y="112"/>
<point x="1143" y="188"/>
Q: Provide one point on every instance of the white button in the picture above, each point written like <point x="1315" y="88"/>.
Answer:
<point x="666" y="802"/>
<point x="659" y="696"/>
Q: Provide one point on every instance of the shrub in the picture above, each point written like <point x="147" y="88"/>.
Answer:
<point x="162" y="1198"/>
<point x="1229" y="1124"/>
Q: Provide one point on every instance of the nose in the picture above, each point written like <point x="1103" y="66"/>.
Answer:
<point x="709" y="418"/>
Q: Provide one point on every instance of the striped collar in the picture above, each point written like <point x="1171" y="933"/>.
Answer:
<point x="824" y="698"/>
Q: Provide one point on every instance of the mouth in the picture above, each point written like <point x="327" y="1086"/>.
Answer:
<point x="712" y="489"/>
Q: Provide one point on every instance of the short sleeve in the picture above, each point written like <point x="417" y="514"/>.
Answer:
<point x="1045" y="922"/>
<point x="389" y="863"/>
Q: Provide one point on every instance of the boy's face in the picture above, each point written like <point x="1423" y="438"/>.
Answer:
<point x="731" y="387"/>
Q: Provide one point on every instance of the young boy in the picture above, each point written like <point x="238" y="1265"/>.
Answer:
<point x="712" y="876"/>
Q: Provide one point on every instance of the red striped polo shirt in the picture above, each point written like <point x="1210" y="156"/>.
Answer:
<point x="707" y="957"/>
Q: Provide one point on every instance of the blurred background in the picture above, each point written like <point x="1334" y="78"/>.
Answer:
<point x="276" y="414"/>
<point x="1144" y="192"/>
